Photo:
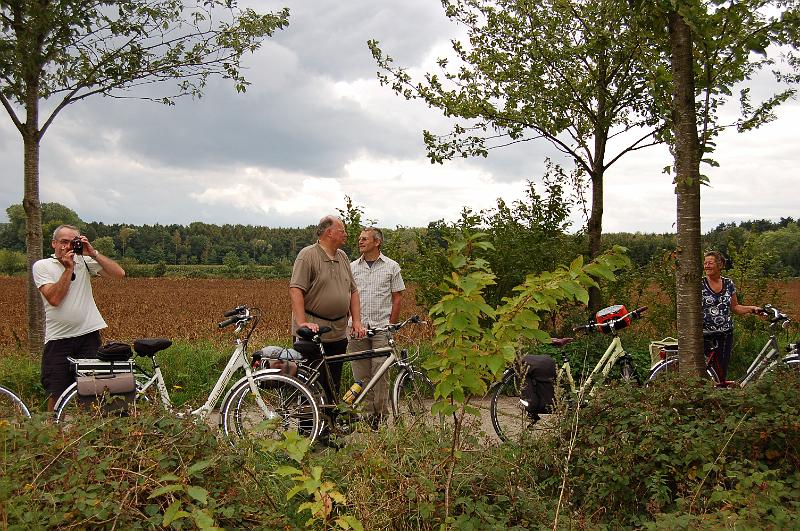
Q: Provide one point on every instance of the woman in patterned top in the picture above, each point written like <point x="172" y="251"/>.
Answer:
<point x="719" y="302"/>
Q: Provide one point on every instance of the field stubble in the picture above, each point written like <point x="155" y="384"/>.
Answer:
<point x="178" y="309"/>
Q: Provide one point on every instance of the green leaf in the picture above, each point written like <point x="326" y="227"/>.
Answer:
<point x="287" y="471"/>
<point x="198" y="493"/>
<point x="197" y="467"/>
<point x="294" y="491"/>
<point x="173" y="513"/>
<point x="202" y="519"/>
<point x="166" y="489"/>
<point x="349" y="522"/>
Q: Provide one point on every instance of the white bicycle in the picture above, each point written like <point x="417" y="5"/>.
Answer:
<point x="12" y="408"/>
<point x="276" y="398"/>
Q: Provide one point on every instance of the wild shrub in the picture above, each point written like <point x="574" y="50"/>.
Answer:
<point x="686" y="450"/>
<point x="133" y="472"/>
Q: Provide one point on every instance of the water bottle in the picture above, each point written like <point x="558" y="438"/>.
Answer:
<point x="352" y="393"/>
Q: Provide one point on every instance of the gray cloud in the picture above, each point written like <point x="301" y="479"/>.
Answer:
<point x="315" y="125"/>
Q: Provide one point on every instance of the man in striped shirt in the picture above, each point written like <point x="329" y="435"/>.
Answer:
<point x="380" y="288"/>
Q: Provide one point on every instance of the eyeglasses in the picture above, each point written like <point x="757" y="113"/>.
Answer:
<point x="64" y="242"/>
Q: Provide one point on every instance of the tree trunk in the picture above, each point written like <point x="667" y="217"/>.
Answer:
<point x="595" y="223"/>
<point x="33" y="234"/>
<point x="686" y="151"/>
<point x="595" y="230"/>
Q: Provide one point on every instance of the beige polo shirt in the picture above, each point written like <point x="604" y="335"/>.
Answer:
<point x="327" y="286"/>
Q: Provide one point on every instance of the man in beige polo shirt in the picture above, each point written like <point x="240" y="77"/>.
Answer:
<point x="323" y="293"/>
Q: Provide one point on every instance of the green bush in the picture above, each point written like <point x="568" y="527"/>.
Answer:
<point x="129" y="473"/>
<point x="673" y="455"/>
<point x="12" y="262"/>
<point x="20" y="372"/>
<point x="682" y="448"/>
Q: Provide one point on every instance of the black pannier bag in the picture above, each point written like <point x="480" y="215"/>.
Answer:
<point x="115" y="351"/>
<point x="538" y="389"/>
<point x="111" y="393"/>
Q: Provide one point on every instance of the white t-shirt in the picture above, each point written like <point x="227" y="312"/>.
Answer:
<point x="77" y="314"/>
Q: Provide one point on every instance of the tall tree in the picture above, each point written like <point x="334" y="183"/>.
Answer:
<point x="574" y="72"/>
<point x="687" y="153"/>
<point x="713" y="47"/>
<point x="70" y="50"/>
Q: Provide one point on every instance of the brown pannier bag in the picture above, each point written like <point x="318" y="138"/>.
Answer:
<point x="109" y="393"/>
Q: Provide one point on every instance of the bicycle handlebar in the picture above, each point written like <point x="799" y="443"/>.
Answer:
<point x="235" y="311"/>
<point x="237" y="315"/>
<point x="774" y="314"/>
<point x="395" y="327"/>
<point x="227" y="322"/>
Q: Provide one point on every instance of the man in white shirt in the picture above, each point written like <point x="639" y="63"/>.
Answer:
<point x="72" y="320"/>
<point x="380" y="288"/>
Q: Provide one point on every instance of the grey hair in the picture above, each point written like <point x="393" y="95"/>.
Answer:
<point x="717" y="256"/>
<point x="65" y="226"/>
<point x="324" y="224"/>
<point x="376" y="233"/>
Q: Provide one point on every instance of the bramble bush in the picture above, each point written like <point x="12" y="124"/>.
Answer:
<point x="134" y="472"/>
<point x="673" y="455"/>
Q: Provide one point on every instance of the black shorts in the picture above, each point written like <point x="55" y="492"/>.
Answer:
<point x="57" y="372"/>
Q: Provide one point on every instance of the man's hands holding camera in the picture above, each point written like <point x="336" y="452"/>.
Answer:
<point x="79" y="245"/>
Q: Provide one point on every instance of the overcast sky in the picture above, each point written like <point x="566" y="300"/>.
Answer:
<point x="315" y="125"/>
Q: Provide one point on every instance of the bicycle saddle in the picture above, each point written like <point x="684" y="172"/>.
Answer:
<point x="560" y="341"/>
<point x="149" y="347"/>
<point x="306" y="333"/>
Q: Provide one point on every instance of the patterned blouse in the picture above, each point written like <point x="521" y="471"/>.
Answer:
<point x="717" y="306"/>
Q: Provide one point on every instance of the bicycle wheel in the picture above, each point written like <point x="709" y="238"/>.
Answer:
<point x="12" y="408"/>
<point x="304" y="375"/>
<point x="629" y="374"/>
<point x="68" y="406"/>
<point x="789" y="363"/>
<point x="792" y="363"/>
<point x="669" y="368"/>
<point x="510" y="420"/>
<point x="290" y="407"/>
<point x="412" y="396"/>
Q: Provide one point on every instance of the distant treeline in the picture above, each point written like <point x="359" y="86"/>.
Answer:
<point x="265" y="251"/>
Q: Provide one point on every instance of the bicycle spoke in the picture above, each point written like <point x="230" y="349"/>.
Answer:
<point x="413" y="397"/>
<point x="289" y="408"/>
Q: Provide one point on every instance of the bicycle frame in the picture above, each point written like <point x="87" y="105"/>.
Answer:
<point x="766" y="359"/>
<point x="391" y="360"/>
<point x="238" y="360"/>
<point x="612" y="354"/>
<point x="240" y="316"/>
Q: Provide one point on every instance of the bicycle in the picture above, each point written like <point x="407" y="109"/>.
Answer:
<point x="510" y="419"/>
<point x="410" y="390"/>
<point x="12" y="408"/>
<point x="767" y="359"/>
<point x="267" y="386"/>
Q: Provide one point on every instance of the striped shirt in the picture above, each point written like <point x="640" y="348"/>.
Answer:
<point x="375" y="287"/>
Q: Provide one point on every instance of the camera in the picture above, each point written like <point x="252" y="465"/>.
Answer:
<point x="77" y="245"/>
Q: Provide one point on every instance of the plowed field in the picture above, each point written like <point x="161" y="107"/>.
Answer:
<point x="178" y="309"/>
